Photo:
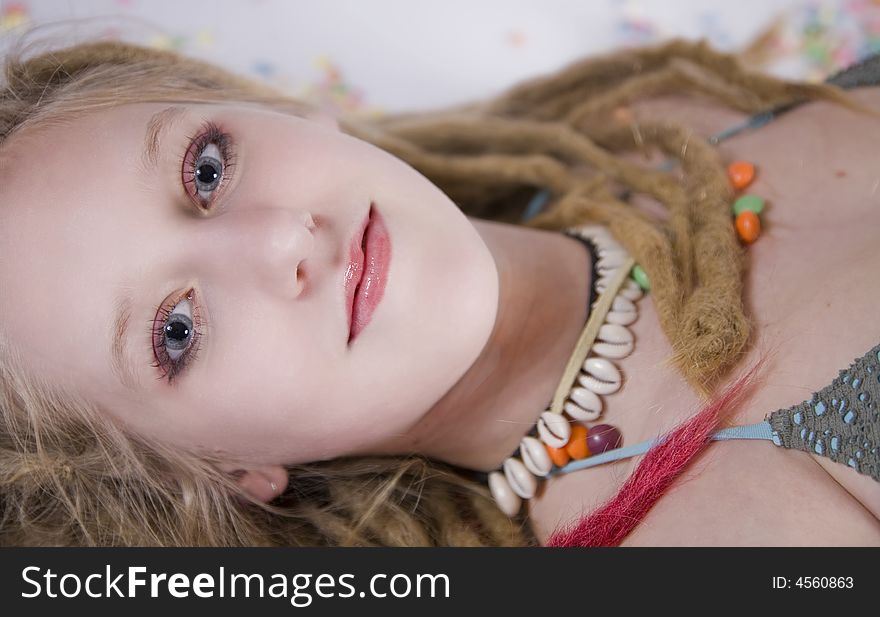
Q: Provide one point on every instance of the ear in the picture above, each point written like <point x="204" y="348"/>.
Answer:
<point x="323" y="118"/>
<point x="262" y="483"/>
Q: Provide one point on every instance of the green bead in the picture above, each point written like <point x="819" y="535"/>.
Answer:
<point x="748" y="202"/>
<point x="640" y="277"/>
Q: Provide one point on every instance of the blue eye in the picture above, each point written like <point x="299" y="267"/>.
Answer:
<point x="207" y="165"/>
<point x="208" y="171"/>
<point x="175" y="335"/>
<point x="178" y="330"/>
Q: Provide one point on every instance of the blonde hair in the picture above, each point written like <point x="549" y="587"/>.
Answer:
<point x="70" y="476"/>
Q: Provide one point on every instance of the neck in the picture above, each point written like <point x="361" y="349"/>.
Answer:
<point x="544" y="283"/>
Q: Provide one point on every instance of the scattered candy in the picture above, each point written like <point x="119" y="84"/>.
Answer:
<point x="741" y="174"/>
<point x="748" y="202"/>
<point x="640" y="277"/>
<point x="748" y="226"/>
<point x="577" y="443"/>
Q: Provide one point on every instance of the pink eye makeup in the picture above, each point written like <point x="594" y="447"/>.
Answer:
<point x="207" y="165"/>
<point x="176" y="332"/>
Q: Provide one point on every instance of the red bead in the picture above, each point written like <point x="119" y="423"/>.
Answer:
<point x="603" y="437"/>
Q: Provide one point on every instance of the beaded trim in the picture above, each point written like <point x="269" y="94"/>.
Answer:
<point x="578" y="397"/>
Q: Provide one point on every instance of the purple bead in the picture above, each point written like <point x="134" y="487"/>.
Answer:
<point x="603" y="437"/>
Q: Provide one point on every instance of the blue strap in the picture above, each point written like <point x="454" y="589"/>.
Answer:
<point x="536" y="204"/>
<point x="755" y="122"/>
<point x="761" y="430"/>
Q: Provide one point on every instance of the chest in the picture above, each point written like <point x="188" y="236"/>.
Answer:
<point x="811" y="294"/>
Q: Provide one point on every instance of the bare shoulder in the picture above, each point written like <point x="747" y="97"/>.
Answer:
<point x="707" y="117"/>
<point x="869" y="97"/>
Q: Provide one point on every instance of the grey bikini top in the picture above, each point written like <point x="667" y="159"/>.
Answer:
<point x="841" y="421"/>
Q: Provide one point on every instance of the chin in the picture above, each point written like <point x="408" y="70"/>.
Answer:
<point x="442" y="302"/>
<point x="465" y="300"/>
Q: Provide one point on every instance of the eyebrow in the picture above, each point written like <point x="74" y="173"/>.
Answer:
<point x="157" y="127"/>
<point x="120" y="362"/>
<point x="119" y="359"/>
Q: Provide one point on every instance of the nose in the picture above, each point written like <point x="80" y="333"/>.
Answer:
<point x="262" y="246"/>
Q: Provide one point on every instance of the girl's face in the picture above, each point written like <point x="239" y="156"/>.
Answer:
<point x="184" y="267"/>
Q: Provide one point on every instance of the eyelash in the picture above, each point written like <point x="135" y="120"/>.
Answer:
<point x="172" y="368"/>
<point x="209" y="133"/>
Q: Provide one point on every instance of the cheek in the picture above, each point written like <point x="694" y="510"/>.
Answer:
<point x="273" y="381"/>
<point x="279" y="366"/>
<point x="301" y="163"/>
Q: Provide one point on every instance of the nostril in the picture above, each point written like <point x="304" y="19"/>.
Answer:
<point x="298" y="283"/>
<point x="309" y="222"/>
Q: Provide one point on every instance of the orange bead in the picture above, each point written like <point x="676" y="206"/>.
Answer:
<point x="748" y="226"/>
<point x="741" y="174"/>
<point x="577" y="443"/>
<point x="559" y="456"/>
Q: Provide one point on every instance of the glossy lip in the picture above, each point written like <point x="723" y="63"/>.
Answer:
<point x="354" y="270"/>
<point x="369" y="269"/>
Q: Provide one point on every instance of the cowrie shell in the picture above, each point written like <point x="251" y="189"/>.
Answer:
<point x="603" y="245"/>
<point x="630" y="290"/>
<point x="600" y="376"/>
<point x="623" y="305"/>
<point x="577" y="412"/>
<point x="519" y="478"/>
<point x="594" y="230"/>
<point x="508" y="501"/>
<point x="554" y="429"/>
<point x="535" y="456"/>
<point x="614" y="341"/>
<point x="620" y="318"/>
<point x="588" y="405"/>
<point x="611" y="259"/>
<point x="602" y="282"/>
<point x="623" y="311"/>
<point x="606" y="273"/>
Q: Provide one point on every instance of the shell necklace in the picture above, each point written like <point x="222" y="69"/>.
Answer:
<point x="558" y="435"/>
